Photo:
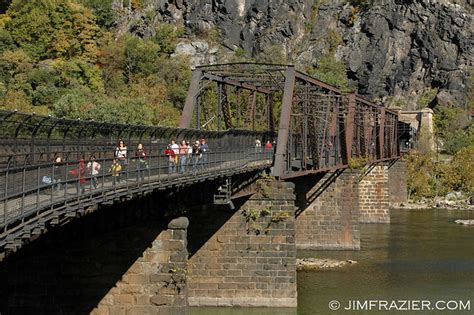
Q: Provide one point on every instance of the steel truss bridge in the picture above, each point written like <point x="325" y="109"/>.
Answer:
<point x="313" y="127"/>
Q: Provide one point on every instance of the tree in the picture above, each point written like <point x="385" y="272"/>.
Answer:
<point x="166" y="36"/>
<point x="53" y="29"/>
<point x="103" y="11"/>
<point x="330" y="70"/>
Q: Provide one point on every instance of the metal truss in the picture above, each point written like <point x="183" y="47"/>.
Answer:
<point x="320" y="127"/>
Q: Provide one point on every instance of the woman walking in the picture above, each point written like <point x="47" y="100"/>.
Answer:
<point x="121" y="156"/>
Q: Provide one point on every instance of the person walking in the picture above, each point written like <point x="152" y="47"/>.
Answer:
<point x="142" y="164"/>
<point x="121" y="156"/>
<point x="58" y="173"/>
<point x="183" y="153"/>
<point x="172" y="152"/>
<point x="93" y="168"/>
<point x="80" y="173"/>
<point x="114" y="170"/>
<point x="204" y="152"/>
<point x="197" y="154"/>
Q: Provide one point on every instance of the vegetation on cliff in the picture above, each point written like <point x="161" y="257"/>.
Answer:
<point x="57" y="57"/>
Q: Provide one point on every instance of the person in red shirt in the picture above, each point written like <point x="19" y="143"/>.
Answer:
<point x="268" y="145"/>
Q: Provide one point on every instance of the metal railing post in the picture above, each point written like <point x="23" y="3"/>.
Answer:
<point x="23" y="184"/>
<point x="52" y="184"/>
<point x="5" y="209"/>
<point x="38" y="181"/>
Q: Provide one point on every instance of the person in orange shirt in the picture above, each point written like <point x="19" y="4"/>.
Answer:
<point x="183" y="154"/>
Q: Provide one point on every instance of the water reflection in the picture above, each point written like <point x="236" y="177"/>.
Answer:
<point x="241" y="311"/>
<point x="420" y="255"/>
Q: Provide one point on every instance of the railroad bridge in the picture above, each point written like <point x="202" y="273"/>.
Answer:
<point x="222" y="229"/>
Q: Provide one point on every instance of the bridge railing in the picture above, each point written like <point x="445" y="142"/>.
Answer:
<point x="27" y="191"/>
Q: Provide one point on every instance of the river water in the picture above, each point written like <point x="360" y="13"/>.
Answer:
<point x="420" y="256"/>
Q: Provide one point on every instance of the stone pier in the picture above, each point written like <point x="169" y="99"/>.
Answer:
<point x="156" y="282"/>
<point x="397" y="183"/>
<point x="374" y="194"/>
<point x="328" y="211"/>
<point x="251" y="259"/>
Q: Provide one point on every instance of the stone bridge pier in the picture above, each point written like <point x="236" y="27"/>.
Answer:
<point x="381" y="187"/>
<point x="328" y="211"/>
<point x="250" y="260"/>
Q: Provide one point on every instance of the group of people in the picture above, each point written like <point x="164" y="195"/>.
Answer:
<point x="180" y="158"/>
<point x="91" y="169"/>
<point x="184" y="156"/>
<point x="120" y="162"/>
<point x="268" y="144"/>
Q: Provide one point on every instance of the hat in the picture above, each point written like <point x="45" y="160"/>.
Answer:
<point x="197" y="141"/>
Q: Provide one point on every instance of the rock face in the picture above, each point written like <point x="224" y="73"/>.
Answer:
<point x="399" y="48"/>
<point x="407" y="47"/>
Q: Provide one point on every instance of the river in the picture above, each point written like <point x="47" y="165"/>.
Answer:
<point x="420" y="256"/>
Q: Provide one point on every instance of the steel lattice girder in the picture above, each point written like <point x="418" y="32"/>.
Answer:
<point x="320" y="126"/>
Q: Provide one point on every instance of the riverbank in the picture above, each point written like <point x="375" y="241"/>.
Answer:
<point x="453" y="201"/>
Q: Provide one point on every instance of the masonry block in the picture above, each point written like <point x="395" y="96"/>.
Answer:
<point x="251" y="259"/>
<point x="374" y="195"/>
<point x="156" y="282"/>
<point x="328" y="214"/>
<point x="397" y="183"/>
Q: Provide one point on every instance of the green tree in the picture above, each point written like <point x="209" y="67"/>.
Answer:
<point x="419" y="171"/>
<point x="330" y="70"/>
<point x="454" y="127"/>
<point x="103" y="11"/>
<point x="53" y="29"/>
<point x="166" y="36"/>
<point x="140" y="57"/>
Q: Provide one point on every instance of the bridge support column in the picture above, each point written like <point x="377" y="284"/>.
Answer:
<point x="373" y="195"/>
<point x="328" y="214"/>
<point x="397" y="183"/>
<point x="251" y="259"/>
<point x="156" y="282"/>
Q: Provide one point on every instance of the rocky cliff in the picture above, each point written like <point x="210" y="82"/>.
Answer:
<point x="409" y="52"/>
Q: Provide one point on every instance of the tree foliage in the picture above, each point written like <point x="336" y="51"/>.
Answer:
<point x="454" y="128"/>
<point x="60" y="57"/>
<point x="427" y="177"/>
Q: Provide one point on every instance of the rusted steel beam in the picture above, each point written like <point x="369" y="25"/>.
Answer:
<point x="349" y="128"/>
<point x="220" y="87"/>
<point x="253" y="108"/>
<point x="191" y="98"/>
<point x="246" y="86"/>
<point x="382" y="133"/>
<point x="363" y="100"/>
<point x="238" y="91"/>
<point x="284" y="128"/>
<point x="396" y="149"/>
<point x="314" y="81"/>
<point x="270" y="117"/>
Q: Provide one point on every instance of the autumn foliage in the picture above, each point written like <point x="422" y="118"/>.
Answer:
<point x="60" y="57"/>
